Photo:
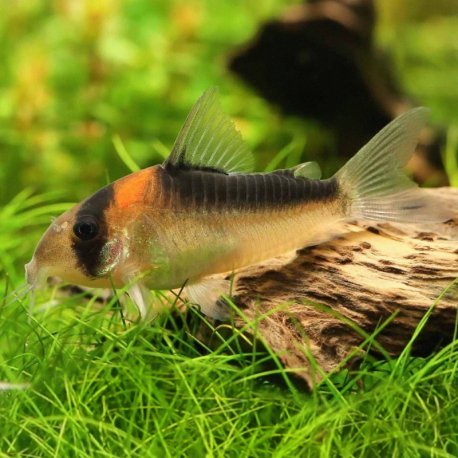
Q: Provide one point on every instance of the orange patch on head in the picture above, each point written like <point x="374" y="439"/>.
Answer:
<point x="132" y="188"/>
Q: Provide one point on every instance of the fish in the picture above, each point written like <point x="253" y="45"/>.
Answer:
<point x="203" y="212"/>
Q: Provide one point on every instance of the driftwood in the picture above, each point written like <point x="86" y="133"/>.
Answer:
<point x="319" y="304"/>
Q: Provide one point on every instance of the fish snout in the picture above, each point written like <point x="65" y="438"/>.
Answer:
<point x="31" y="272"/>
<point x="34" y="275"/>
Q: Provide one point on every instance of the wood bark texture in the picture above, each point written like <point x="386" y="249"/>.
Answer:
<point x="316" y="308"/>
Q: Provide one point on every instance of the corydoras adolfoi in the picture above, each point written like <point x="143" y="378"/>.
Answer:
<point x="203" y="212"/>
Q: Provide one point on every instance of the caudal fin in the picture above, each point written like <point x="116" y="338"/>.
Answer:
<point x="373" y="180"/>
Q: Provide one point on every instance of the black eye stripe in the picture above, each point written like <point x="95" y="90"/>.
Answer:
<point x="88" y="251"/>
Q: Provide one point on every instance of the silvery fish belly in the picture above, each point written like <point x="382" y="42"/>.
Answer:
<point x="203" y="212"/>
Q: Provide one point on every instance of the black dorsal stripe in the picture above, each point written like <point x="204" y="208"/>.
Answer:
<point x="208" y="190"/>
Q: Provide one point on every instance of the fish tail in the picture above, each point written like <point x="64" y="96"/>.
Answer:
<point x="373" y="184"/>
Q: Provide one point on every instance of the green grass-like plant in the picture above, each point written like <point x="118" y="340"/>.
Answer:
<point x="97" y="386"/>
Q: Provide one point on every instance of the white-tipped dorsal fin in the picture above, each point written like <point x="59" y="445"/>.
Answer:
<point x="209" y="140"/>
<point x="310" y="170"/>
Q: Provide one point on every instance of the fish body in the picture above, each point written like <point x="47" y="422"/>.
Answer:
<point x="203" y="212"/>
<point x="184" y="225"/>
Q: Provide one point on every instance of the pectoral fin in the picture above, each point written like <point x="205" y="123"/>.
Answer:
<point x="208" y="295"/>
<point x="141" y="296"/>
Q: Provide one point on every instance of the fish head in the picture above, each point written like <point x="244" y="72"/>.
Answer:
<point x="79" y="246"/>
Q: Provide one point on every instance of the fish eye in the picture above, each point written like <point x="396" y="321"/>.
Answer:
<point x="86" y="229"/>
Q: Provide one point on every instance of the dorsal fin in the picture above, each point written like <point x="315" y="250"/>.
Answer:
<point x="208" y="140"/>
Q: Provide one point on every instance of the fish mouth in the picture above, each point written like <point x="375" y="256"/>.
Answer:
<point x="31" y="271"/>
<point x="34" y="276"/>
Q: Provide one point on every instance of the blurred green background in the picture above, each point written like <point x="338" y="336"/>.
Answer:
<point x="75" y="74"/>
